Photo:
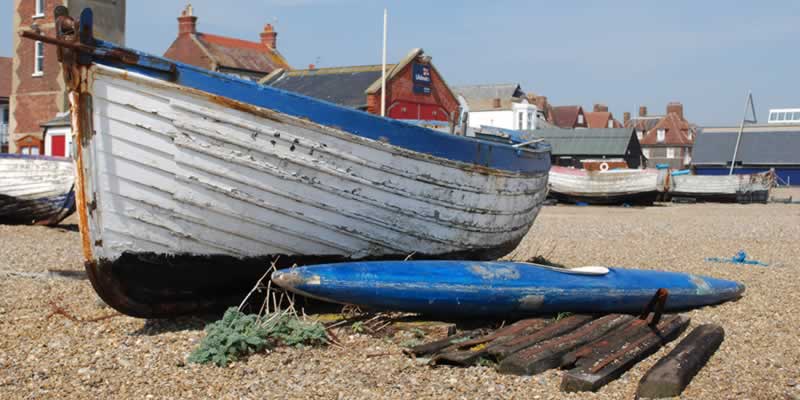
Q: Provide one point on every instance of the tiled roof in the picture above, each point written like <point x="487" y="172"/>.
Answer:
<point x="759" y="146"/>
<point x="676" y="132"/>
<point x="481" y="97"/>
<point x="599" y="119"/>
<point x="566" y="116"/>
<point x="5" y="77"/>
<point x="642" y="124"/>
<point x="240" y="54"/>
<point x="343" y="85"/>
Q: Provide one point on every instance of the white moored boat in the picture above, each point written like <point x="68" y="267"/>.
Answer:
<point x="740" y="187"/>
<point x="612" y="186"/>
<point x="190" y="182"/>
<point x="35" y="189"/>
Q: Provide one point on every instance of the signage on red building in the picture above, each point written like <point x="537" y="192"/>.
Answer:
<point x="422" y="78"/>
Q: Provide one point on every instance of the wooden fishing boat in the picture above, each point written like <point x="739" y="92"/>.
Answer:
<point x="36" y="189"/>
<point x="743" y="188"/>
<point x="608" y="186"/>
<point x="500" y="289"/>
<point x="190" y="182"/>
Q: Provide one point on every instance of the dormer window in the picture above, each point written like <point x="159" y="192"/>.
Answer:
<point x="580" y="118"/>
<point x="611" y="123"/>
<point x="639" y="135"/>
<point x="660" y="134"/>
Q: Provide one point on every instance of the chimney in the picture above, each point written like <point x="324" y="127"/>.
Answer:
<point x="269" y="37"/>
<point x="642" y="111"/>
<point x="676" y="108"/>
<point x="626" y="117"/>
<point x="187" y="22"/>
<point x="496" y="102"/>
<point x="600" y="107"/>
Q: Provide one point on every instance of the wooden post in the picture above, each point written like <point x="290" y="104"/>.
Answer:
<point x="673" y="373"/>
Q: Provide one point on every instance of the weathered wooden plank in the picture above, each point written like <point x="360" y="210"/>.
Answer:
<point x="466" y="353"/>
<point x="568" y="324"/>
<point x="612" y="342"/>
<point x="427" y="349"/>
<point x="673" y="373"/>
<point x="594" y="375"/>
<point x="547" y="354"/>
<point x="522" y="327"/>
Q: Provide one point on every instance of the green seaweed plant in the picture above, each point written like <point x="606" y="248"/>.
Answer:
<point x="238" y="335"/>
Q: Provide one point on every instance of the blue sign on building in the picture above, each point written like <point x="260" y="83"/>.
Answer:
<point x="422" y="78"/>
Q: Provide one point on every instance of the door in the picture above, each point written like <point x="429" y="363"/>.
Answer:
<point x="59" y="146"/>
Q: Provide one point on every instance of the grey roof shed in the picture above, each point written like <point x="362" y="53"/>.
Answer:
<point x="760" y="145"/>
<point x="590" y="142"/>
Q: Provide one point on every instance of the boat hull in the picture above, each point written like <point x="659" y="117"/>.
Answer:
<point x="499" y="289"/>
<point x="741" y="188"/>
<point x="632" y="186"/>
<point x="180" y="187"/>
<point x="35" y="189"/>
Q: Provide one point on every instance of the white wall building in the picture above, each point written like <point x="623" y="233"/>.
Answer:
<point x="784" y="116"/>
<point x="501" y="106"/>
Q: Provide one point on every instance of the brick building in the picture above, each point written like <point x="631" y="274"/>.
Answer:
<point x="245" y="59"/>
<point x="666" y="139"/>
<point x="569" y="117"/>
<point x="5" y="95"/>
<point x="38" y="92"/>
<point x="414" y="88"/>
<point x="600" y="117"/>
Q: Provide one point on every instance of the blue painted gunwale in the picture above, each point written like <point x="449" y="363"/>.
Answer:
<point x="499" y="156"/>
<point x="498" y="289"/>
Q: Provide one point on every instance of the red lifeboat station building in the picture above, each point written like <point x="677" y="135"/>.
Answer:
<point x="414" y="88"/>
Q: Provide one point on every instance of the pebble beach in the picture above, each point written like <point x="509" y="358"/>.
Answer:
<point x="58" y="340"/>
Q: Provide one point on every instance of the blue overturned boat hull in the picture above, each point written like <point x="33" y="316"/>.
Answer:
<point x="500" y="289"/>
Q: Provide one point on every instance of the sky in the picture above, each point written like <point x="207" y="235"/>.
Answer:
<point x="705" y="54"/>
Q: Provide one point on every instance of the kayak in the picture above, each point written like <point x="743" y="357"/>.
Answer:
<point x="500" y="289"/>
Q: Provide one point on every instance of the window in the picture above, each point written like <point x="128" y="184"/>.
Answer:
<point x="39" y="9"/>
<point x="520" y="120"/>
<point x="639" y="135"/>
<point x="781" y="116"/>
<point x="530" y="120"/>
<point x="610" y="123"/>
<point x="670" y="152"/>
<point x="30" y="150"/>
<point x="796" y="116"/>
<point x="580" y="118"/>
<point x="38" y="62"/>
<point x="646" y="153"/>
<point x="660" y="135"/>
<point x="690" y="134"/>
<point x="773" y="116"/>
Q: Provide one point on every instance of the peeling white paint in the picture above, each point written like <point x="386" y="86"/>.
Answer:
<point x="175" y="172"/>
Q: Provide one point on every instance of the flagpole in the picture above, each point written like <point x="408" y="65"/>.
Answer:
<point x="383" y="75"/>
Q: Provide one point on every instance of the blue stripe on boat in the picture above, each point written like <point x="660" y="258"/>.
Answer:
<point x="498" y="156"/>
<point x="499" y="289"/>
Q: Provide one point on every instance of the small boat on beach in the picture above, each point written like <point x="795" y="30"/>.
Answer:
<point x="500" y="289"/>
<point x="36" y="189"/>
<point x="191" y="182"/>
<point x="605" y="186"/>
<point x="742" y="188"/>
